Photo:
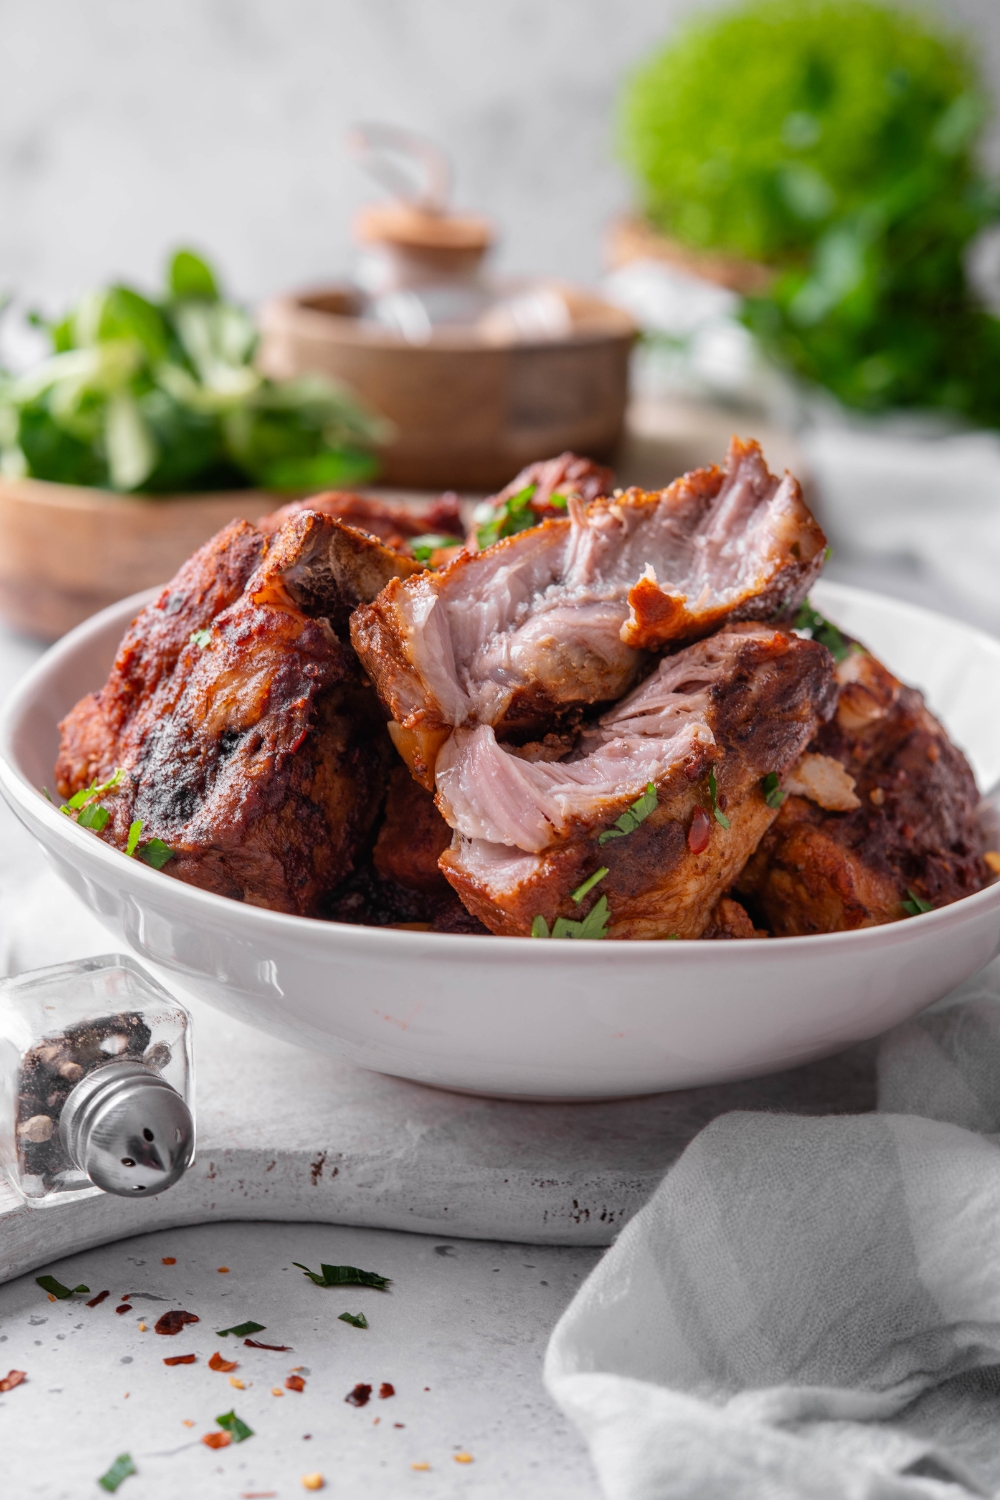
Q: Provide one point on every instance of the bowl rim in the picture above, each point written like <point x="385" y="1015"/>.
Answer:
<point x="195" y="902"/>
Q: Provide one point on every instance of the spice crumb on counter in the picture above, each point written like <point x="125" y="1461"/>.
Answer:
<point x="11" y="1379"/>
<point x="294" y="1383"/>
<point x="168" y="1260"/>
<point x="463" y="1458"/>
<point x="423" y="1466"/>
<point x="223" y="1270"/>
<point x="276" y="1390"/>
<point x="313" y="1482"/>
<point x="237" y="1383"/>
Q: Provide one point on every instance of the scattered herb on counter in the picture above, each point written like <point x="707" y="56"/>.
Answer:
<point x="359" y="1396"/>
<point x="632" y="816"/>
<point x="594" y="925"/>
<point x="357" y="1320"/>
<point x="713" y="792"/>
<point x="218" y="1363"/>
<point x="13" y="1378"/>
<point x="588" y="884"/>
<point x="237" y="1429"/>
<point x="134" y="834"/>
<point x="512" y="516"/>
<point x="156" y="853"/>
<point x="172" y="1322"/>
<point x="120" y="1469"/>
<point x="344" y="1276"/>
<point x="821" y="630"/>
<point x="916" y="906"/>
<point x="275" y="1348"/>
<point x="240" y="1330"/>
<point x="773" y="795"/>
<point x="56" y="1288"/>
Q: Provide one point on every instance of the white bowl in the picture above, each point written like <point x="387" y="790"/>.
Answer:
<point x="516" y="1017"/>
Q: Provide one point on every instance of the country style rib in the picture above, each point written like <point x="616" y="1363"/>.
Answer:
<point x="743" y="703"/>
<point x="559" y="617"/>
<point x="908" y="825"/>
<point x="248" y="739"/>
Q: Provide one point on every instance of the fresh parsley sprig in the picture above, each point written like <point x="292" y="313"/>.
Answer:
<point x="424" y="547"/>
<point x="822" y="630"/>
<point x="594" y="925"/>
<point x="632" y="816"/>
<point x="916" y="906"/>
<point x="357" y="1320"/>
<point x="588" y="884"/>
<point x="512" y="516"/>
<point x="56" y="1289"/>
<point x="713" y="792"/>
<point x="119" y="1470"/>
<point x="79" y="801"/>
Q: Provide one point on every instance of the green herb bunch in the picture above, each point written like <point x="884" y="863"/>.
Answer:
<point x="164" y="397"/>
<point x="834" y="141"/>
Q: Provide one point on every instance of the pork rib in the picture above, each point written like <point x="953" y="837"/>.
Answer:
<point x="559" y="617"/>
<point x="741" y="704"/>
<point x="908" y="824"/>
<point x="249" y="742"/>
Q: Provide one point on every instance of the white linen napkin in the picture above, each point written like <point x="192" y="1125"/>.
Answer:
<point x="810" y="1307"/>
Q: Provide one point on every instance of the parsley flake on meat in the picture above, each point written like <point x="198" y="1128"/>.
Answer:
<point x="200" y="638"/>
<point x="773" y="795"/>
<point x="632" y="816"/>
<point x="713" y="792"/>
<point x="811" y="622"/>
<point x="588" y="884"/>
<point x="594" y="925"/>
<point x="512" y="516"/>
<point x="916" y="906"/>
<point x="156" y="853"/>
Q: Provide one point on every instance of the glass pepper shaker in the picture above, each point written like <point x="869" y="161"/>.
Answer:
<point x="96" y="1082"/>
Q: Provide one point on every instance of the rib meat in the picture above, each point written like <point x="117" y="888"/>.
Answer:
<point x="393" y="522"/>
<point x="559" y="617"/>
<point x="741" y="704"/>
<point x="906" y="824"/>
<point x="248" y="739"/>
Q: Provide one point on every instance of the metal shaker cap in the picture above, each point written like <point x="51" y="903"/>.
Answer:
<point x="128" y="1129"/>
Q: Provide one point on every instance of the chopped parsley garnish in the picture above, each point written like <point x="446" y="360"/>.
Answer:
<point x="773" y="795"/>
<point x="241" y="1330"/>
<point x="156" y="853"/>
<point x="557" y="501"/>
<point x="120" y="1469"/>
<point x="94" y="816"/>
<point x="916" y="906"/>
<point x="673" y="937"/>
<point x="237" y="1429"/>
<point x="422" y="547"/>
<point x="512" y="516"/>
<point x="632" y="816"/>
<point x="50" y="1284"/>
<point x="588" y="884"/>
<point x="593" y="925"/>
<point x="200" y="638"/>
<point x="357" y="1320"/>
<point x="134" y="832"/>
<point x="344" y="1276"/>
<point x="713" y="792"/>
<point x="821" y="630"/>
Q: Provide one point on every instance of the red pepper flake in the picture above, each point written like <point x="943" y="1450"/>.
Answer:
<point x="96" y="1301"/>
<point x="181" y="1359"/>
<point x="276" y="1348"/>
<point x="169" y="1260"/>
<point x="216" y="1439"/>
<point x="296" y="1383"/>
<point x="173" y="1322"/>
<point x="125" y="1307"/>
<point x="700" y="831"/>
<point x="223" y="1270"/>
<point x="386" y="1390"/>
<point x="11" y="1379"/>
<point x="359" y="1395"/>
<point x="399" y="1424"/>
<point x="218" y="1363"/>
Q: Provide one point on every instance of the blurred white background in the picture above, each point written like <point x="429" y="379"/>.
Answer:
<point x="127" y="126"/>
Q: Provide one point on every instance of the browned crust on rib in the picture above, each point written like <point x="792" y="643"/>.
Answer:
<point x="412" y="838"/>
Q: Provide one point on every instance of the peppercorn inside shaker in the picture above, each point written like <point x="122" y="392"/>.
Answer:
<point x="96" y="1082"/>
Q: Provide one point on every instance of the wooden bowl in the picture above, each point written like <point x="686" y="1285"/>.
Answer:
<point x="467" y="414"/>
<point x="67" y="551"/>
